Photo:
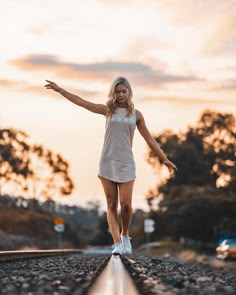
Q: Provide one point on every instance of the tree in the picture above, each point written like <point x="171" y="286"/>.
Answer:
<point x="200" y="197"/>
<point x="30" y="169"/>
<point x="195" y="212"/>
<point x="204" y="155"/>
<point x="14" y="158"/>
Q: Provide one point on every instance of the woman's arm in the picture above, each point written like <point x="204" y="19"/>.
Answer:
<point x="93" y="107"/>
<point x="154" y="146"/>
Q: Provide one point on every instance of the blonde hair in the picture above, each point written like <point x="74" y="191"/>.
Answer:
<point x="111" y="103"/>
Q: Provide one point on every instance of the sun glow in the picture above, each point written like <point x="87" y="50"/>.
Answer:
<point x="178" y="65"/>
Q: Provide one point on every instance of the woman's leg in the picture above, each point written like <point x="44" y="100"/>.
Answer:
<point x="111" y="192"/>
<point x="125" y="191"/>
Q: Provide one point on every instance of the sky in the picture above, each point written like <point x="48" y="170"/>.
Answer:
<point x="179" y="56"/>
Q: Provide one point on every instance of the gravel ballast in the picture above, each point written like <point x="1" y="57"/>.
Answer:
<point x="74" y="274"/>
<point x="157" y="276"/>
<point x="68" y="274"/>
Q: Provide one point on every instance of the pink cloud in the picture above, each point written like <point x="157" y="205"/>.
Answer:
<point x="102" y="71"/>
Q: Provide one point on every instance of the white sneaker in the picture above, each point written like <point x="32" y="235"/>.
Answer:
<point x="117" y="249"/>
<point x="126" y="244"/>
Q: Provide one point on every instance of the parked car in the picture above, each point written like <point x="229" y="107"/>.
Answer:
<point x="226" y="249"/>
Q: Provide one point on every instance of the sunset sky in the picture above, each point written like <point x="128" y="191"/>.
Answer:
<point x="179" y="56"/>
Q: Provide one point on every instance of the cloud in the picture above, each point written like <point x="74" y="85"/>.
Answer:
<point x="40" y="89"/>
<point x="7" y="83"/>
<point x="36" y="89"/>
<point x="186" y="101"/>
<point x="215" y="22"/>
<point x="22" y="86"/>
<point x="144" y="48"/>
<point x="223" y="39"/>
<point x="227" y="85"/>
<point x="38" y="30"/>
<point x="184" y="12"/>
<point x="36" y="62"/>
<point x="100" y="71"/>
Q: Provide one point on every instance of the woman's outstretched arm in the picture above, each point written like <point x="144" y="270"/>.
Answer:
<point x="93" y="107"/>
<point x="152" y="143"/>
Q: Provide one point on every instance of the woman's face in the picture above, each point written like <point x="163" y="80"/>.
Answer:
<point x="121" y="93"/>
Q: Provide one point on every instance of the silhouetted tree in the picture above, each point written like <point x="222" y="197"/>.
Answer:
<point x="31" y="169"/>
<point x="194" y="212"/>
<point x="204" y="155"/>
<point x="201" y="195"/>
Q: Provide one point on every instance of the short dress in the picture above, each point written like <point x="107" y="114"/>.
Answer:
<point x="117" y="160"/>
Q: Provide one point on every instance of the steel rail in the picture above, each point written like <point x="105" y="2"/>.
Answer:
<point x="114" y="280"/>
<point x="25" y="254"/>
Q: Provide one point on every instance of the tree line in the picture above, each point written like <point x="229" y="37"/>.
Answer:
<point x="199" y="201"/>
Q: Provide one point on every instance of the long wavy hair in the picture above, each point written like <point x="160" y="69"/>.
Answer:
<point x="112" y="104"/>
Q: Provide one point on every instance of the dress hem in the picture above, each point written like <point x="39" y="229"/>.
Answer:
<point x="109" y="178"/>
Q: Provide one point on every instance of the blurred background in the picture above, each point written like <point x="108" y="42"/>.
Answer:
<point x="179" y="57"/>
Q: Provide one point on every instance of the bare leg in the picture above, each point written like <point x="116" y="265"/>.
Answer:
<point x="126" y="190"/>
<point x="111" y="192"/>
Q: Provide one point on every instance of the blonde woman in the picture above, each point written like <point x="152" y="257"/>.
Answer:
<point x="117" y="166"/>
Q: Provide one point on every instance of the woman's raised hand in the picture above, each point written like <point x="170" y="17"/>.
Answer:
<point x="53" y="86"/>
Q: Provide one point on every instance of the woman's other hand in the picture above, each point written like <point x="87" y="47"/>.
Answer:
<point x="171" y="166"/>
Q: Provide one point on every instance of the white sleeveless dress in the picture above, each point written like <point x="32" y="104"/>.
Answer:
<point x="117" y="160"/>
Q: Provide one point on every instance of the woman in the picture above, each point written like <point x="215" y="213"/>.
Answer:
<point x="117" y="167"/>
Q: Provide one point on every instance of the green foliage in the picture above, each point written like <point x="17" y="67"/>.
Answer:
<point x="195" y="212"/>
<point x="205" y="155"/>
<point x="102" y="236"/>
<point x="200" y="197"/>
<point x="31" y="169"/>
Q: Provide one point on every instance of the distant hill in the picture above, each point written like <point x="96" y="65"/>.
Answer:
<point x="27" y="228"/>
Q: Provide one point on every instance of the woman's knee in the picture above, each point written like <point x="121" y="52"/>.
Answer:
<point x="126" y="207"/>
<point x="112" y="205"/>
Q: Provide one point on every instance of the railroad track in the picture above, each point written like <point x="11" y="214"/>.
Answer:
<point x="114" y="280"/>
<point x="110" y="277"/>
<point x="79" y="272"/>
<point x="26" y="254"/>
